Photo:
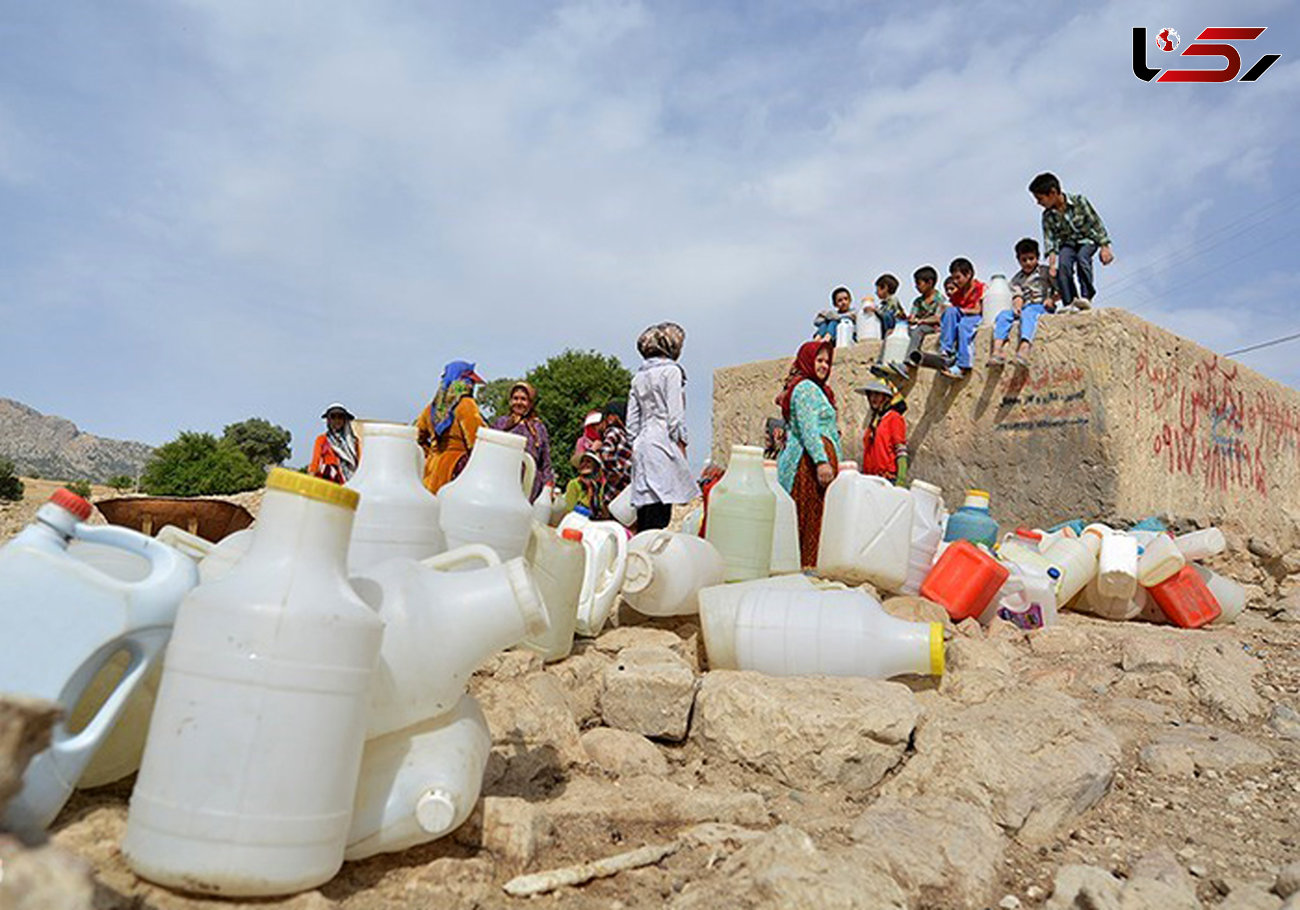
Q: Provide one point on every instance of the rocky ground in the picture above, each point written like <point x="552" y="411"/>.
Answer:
<point x="1088" y="765"/>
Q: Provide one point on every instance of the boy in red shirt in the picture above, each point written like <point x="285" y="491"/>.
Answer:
<point x="884" y="444"/>
<point x="958" y="324"/>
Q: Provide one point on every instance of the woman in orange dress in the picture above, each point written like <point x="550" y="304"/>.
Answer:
<point x="449" y="425"/>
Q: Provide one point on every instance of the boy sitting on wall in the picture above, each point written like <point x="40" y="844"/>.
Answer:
<point x="1033" y="293"/>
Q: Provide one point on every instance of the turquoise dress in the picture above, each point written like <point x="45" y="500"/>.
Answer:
<point x="811" y="417"/>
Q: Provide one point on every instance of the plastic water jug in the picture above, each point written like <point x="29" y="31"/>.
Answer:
<point x="823" y="633"/>
<point x="868" y="323"/>
<point x="1076" y="557"/>
<point x="1117" y="561"/>
<point x="605" y="543"/>
<point x="1160" y="559"/>
<point x="249" y="774"/>
<point x="1184" y="599"/>
<point x="1201" y="544"/>
<point x="488" y="502"/>
<point x="1074" y="527"/>
<point x="1092" y="601"/>
<point x="63" y="621"/>
<point x="727" y="597"/>
<point x="558" y="563"/>
<point x="691" y="523"/>
<point x="420" y="783"/>
<point x="972" y="521"/>
<point x="1230" y="596"/>
<point x="742" y="516"/>
<point x="620" y="508"/>
<point x="1021" y="545"/>
<point x="997" y="297"/>
<point x="866" y="531"/>
<point x="896" y="344"/>
<point x="845" y="330"/>
<point x="397" y="515"/>
<point x="927" y="533"/>
<point x="666" y="570"/>
<point x="1027" y="600"/>
<point x="964" y="580"/>
<point x="225" y="554"/>
<point x="785" y="532"/>
<point x="440" y="625"/>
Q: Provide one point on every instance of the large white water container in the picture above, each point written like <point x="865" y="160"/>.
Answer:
<point x="249" y="774"/>
<point x="812" y="632"/>
<point x="997" y="297"/>
<point x="866" y="531"/>
<point x="397" y="515"/>
<point x="1076" y="558"/>
<point x="419" y="783"/>
<point x="845" y="332"/>
<point x="558" y="563"/>
<point x="868" y="323"/>
<point x="488" y="502"/>
<point x="1093" y="602"/>
<point x="225" y="554"/>
<point x="742" y="516"/>
<point x="1117" y="562"/>
<point x="440" y="625"/>
<point x="785" y="532"/>
<point x="1027" y="599"/>
<point x="927" y="534"/>
<point x="727" y="597"/>
<point x="62" y="621"/>
<point x="896" y="344"/>
<point x="1160" y="559"/>
<point x="666" y="570"/>
<point x="1230" y="595"/>
<point x="1201" y="544"/>
<point x="606" y="545"/>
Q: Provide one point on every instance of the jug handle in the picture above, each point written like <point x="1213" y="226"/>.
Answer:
<point x="94" y="732"/>
<point x="613" y="578"/>
<point x="171" y="574"/>
<point x="530" y="473"/>
<point x="468" y="553"/>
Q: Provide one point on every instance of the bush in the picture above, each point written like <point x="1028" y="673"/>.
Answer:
<point x="262" y="442"/>
<point x="80" y="487"/>
<point x="121" y="483"/>
<point x="494" y="398"/>
<point x="568" y="386"/>
<point x="198" y="464"/>
<point x="11" y="487"/>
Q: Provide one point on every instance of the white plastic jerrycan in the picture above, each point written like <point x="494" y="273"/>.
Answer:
<point x="1160" y="559"/>
<point x="1027" y="598"/>
<point x="666" y="570"/>
<point x="439" y="625"/>
<point x="868" y="322"/>
<point x="742" y="516"/>
<point x="606" y="545"/>
<point x="845" y="332"/>
<point x="1076" y="558"/>
<point x="397" y="515"/>
<point x="225" y="554"/>
<point x="896" y="344"/>
<point x="62" y="621"/>
<point x="620" y="507"/>
<point x="543" y="505"/>
<point x="866" y="531"/>
<point x="785" y="532"/>
<point x="488" y="502"/>
<point x="250" y="770"/>
<point x="1230" y="595"/>
<point x="997" y="297"/>
<point x="558" y="563"/>
<point x="1117" y="562"/>
<point x="811" y="632"/>
<point x="419" y="783"/>
<point x="927" y="534"/>
<point x="1201" y="544"/>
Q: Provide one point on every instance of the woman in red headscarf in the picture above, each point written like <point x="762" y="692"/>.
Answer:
<point x="811" y="456"/>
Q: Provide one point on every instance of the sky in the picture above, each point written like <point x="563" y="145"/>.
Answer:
<point x="221" y="209"/>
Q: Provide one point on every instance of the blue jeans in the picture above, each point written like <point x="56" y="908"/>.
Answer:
<point x="957" y="334"/>
<point x="1030" y="313"/>
<point x="1070" y="259"/>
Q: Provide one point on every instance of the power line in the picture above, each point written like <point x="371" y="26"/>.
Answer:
<point x="1263" y="344"/>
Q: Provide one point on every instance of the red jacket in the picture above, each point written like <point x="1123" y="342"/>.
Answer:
<point x="882" y="446"/>
<point x="973" y="300"/>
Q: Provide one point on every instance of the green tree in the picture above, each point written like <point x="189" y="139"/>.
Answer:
<point x="80" y="487"/>
<point x="199" y="464"/>
<point x="568" y="386"/>
<point x="493" y="397"/>
<point x="121" y="482"/>
<point x="11" y="487"/>
<point x="262" y="442"/>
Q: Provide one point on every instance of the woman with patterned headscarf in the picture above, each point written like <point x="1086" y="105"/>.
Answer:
<point x="522" y="420"/>
<point x="812" y="445"/>
<point x="656" y="421"/>
<point x="449" y="425"/>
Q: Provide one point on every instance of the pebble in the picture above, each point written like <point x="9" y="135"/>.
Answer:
<point x="1010" y="902"/>
<point x="1198" y="870"/>
<point x="1035" y="893"/>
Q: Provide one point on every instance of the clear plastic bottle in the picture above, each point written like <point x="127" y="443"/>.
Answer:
<point x="742" y="516"/>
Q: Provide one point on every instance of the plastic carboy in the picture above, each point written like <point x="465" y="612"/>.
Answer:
<point x="397" y="515"/>
<point x="997" y="297"/>
<point x="666" y="570"/>
<point x="866" y="531"/>
<point x="558" y="562"/>
<point x="249" y="774"/>
<point x="972" y="521"/>
<point x="785" y="533"/>
<point x="63" y="621"/>
<point x="742" y="516"/>
<point x="488" y="502"/>
<point x="927" y="533"/>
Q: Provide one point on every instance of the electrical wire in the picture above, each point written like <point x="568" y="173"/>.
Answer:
<point x="1262" y="344"/>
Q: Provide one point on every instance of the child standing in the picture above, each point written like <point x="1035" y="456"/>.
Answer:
<point x="828" y="321"/>
<point x="1033" y="293"/>
<point x="958" y="323"/>
<point x="1072" y="232"/>
<point x="884" y="444"/>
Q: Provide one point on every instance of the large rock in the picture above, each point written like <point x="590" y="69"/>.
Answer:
<point x="44" y="879"/>
<point x="25" y="725"/>
<point x="534" y="737"/>
<point x="1185" y="751"/>
<point x="624" y="754"/>
<point x="1034" y="758"/>
<point x="650" y="690"/>
<point x="1224" y="678"/>
<point x="582" y="676"/>
<point x="1089" y="888"/>
<point x="808" y="732"/>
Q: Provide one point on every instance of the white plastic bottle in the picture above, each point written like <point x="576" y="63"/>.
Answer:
<point x="866" y="531"/>
<point x="606" y="545"/>
<point x="419" y="783"/>
<point x="61" y="621"/>
<point x="1092" y="601"/>
<point x="742" y="516"/>
<point x="845" y="333"/>
<point x="249" y="774"/>
<point x="397" y="515"/>
<point x="997" y="297"/>
<point x="488" y="502"/>
<point x="896" y="344"/>
<point x="927" y="534"/>
<point x="1160" y="559"/>
<point x="1076" y="557"/>
<point x="785" y="532"/>
<point x="558" y="564"/>
<point x="725" y="598"/>
<point x="1027" y="599"/>
<point x="666" y="570"/>
<point x="811" y="632"/>
<point x="439" y="625"/>
<point x="1230" y="595"/>
<point x="1117" y="562"/>
<point x="1201" y="544"/>
<point x="868" y="322"/>
<point x="620" y="508"/>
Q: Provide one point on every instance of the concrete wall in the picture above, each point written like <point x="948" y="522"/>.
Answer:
<point x="1116" y="418"/>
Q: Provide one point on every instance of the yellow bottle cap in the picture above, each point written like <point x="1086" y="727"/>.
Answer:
<point x="936" y="649"/>
<point x="312" y="488"/>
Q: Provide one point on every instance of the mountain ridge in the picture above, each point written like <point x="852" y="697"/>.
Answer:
<point x="45" y="445"/>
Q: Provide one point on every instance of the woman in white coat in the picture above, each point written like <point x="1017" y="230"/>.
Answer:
<point x="656" y="421"/>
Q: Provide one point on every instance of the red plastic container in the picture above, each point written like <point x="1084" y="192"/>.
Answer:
<point x="964" y="580"/>
<point x="1185" y="600"/>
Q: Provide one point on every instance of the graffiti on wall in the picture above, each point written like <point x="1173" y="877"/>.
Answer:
<point x="1054" y="396"/>
<point x="1209" y="428"/>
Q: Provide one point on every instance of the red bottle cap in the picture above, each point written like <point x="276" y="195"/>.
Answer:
<point x="1028" y="534"/>
<point x="572" y="534"/>
<point x="66" y="499"/>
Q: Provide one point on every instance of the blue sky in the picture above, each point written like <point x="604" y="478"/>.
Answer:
<point x="217" y="210"/>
